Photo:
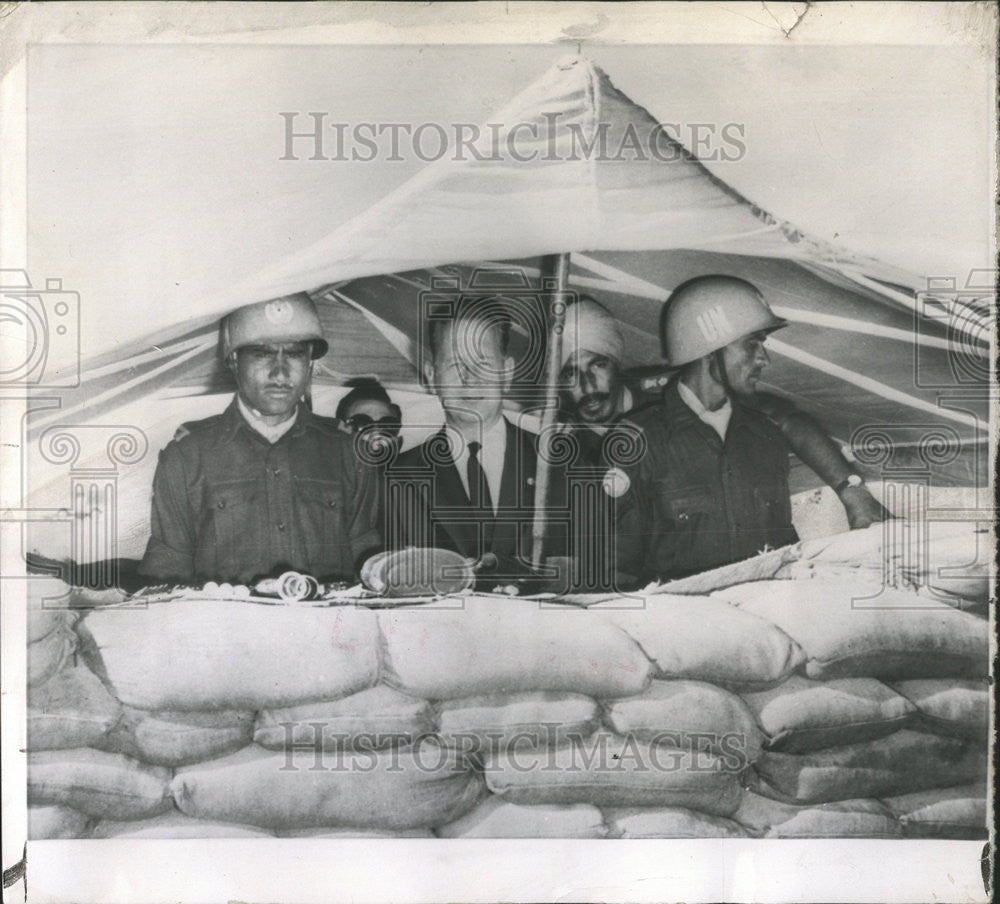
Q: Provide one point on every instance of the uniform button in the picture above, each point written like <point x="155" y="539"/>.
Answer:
<point x="221" y="503"/>
<point x="275" y="471"/>
<point x="281" y="525"/>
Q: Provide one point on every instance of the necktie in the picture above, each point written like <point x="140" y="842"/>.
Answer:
<point x="479" y="488"/>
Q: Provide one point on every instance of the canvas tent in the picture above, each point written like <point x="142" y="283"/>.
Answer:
<point x="902" y="372"/>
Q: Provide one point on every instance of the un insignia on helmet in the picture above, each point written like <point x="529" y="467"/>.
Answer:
<point x="278" y="312"/>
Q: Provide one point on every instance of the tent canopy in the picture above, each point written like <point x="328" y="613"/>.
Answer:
<point x="572" y="165"/>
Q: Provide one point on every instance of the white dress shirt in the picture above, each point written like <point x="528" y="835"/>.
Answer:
<point x="491" y="457"/>
<point x="271" y="434"/>
<point x="718" y="420"/>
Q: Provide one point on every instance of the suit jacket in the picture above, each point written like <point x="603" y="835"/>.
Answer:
<point x="427" y="505"/>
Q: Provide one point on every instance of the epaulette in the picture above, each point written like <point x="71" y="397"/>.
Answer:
<point x="190" y="427"/>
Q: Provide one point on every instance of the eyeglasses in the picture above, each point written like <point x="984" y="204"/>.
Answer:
<point x="358" y="422"/>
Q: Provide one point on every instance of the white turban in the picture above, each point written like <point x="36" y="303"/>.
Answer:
<point x="590" y="327"/>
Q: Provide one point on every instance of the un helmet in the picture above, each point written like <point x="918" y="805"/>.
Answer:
<point x="291" y="318"/>
<point x="705" y="314"/>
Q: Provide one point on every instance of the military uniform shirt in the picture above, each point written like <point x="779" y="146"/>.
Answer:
<point x="695" y="501"/>
<point x="230" y="506"/>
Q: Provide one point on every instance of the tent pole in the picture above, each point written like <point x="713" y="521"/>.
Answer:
<point x="557" y="312"/>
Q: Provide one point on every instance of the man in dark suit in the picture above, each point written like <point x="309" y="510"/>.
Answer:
<point x="470" y="487"/>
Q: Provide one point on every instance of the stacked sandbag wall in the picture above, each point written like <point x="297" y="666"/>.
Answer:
<point x="807" y="707"/>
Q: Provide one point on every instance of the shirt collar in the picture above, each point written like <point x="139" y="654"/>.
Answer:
<point x="254" y="421"/>
<point x="717" y="419"/>
<point x="492" y="438"/>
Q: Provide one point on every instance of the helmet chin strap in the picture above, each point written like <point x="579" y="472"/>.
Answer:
<point x="720" y="365"/>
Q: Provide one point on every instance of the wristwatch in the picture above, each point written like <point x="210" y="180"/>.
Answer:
<point x="851" y="480"/>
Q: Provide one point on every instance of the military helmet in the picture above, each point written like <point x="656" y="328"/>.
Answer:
<point x="291" y="318"/>
<point x="705" y="314"/>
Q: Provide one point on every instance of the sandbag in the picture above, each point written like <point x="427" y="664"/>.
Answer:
<point x="951" y="707"/>
<point x="956" y="813"/>
<point x="841" y="819"/>
<point x="670" y="822"/>
<point x="480" y="725"/>
<point x="493" y="646"/>
<point x="207" y="654"/>
<point x="174" y="825"/>
<point x="375" y="718"/>
<point x="50" y="822"/>
<point x="801" y="715"/>
<point x="897" y="635"/>
<point x="49" y="654"/>
<point x="72" y="709"/>
<point x="48" y="607"/>
<point x="612" y="771"/>
<point x="168" y="738"/>
<point x="898" y="764"/>
<point x="416" y="787"/>
<point x="706" y="640"/>
<point x="355" y="833"/>
<point x="690" y="714"/>
<point x="494" y="818"/>
<point x="102" y="785"/>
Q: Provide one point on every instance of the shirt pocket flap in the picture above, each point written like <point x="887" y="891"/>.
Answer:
<point x="325" y="493"/>
<point x="683" y="503"/>
<point x="231" y="495"/>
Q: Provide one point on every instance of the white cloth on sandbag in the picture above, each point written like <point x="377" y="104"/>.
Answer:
<point x="495" y="818"/>
<point x="857" y="818"/>
<point x="102" y="785"/>
<point x="690" y="714"/>
<point x="491" y="646"/>
<point x="481" y="725"/>
<point x="402" y="788"/>
<point x="72" y="709"/>
<point x="954" y="813"/>
<point x="206" y="654"/>
<point x="898" y="764"/>
<point x="54" y="821"/>
<point x="949" y="706"/>
<point x="375" y="718"/>
<point x="959" y="558"/>
<point x="846" y="635"/>
<point x="706" y="639"/>
<point x="174" y="825"/>
<point x="169" y="738"/>
<point x="801" y="715"/>
<point x="49" y="654"/>
<point x="950" y="556"/>
<point x="669" y="822"/>
<point x="612" y="771"/>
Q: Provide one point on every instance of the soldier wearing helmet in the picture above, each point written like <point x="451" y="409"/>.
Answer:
<point x="712" y="486"/>
<point x="267" y="485"/>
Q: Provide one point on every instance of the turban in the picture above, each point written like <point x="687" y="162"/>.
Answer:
<point x="590" y="327"/>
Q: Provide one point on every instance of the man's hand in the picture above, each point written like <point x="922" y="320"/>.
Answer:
<point x="862" y="508"/>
